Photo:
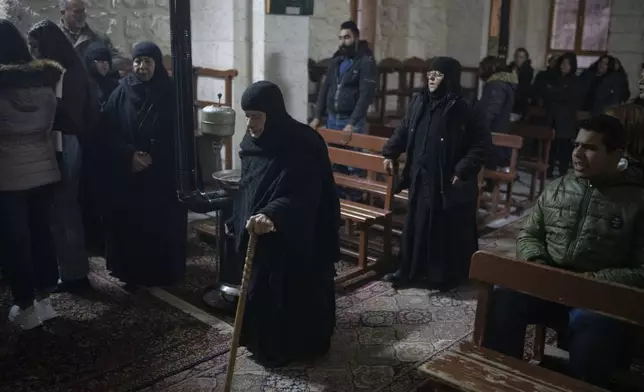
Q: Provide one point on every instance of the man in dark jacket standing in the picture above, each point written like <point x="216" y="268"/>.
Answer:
<point x="350" y="84"/>
<point x="590" y="222"/>
<point x="73" y="22"/>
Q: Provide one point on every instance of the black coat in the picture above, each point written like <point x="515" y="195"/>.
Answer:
<point x="561" y="96"/>
<point x="349" y="95"/>
<point x="467" y="141"/>
<point x="610" y="91"/>
<point x="525" y="73"/>
<point x="497" y="101"/>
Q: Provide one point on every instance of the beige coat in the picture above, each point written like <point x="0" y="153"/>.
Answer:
<point x="27" y="111"/>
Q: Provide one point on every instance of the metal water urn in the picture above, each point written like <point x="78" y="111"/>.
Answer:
<point x="217" y="123"/>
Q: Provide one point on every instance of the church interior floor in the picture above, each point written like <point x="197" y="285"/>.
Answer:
<point x="165" y="339"/>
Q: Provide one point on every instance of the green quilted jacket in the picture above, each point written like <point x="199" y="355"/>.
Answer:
<point x="595" y="228"/>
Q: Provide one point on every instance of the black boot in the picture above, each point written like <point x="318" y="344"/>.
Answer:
<point x="397" y="277"/>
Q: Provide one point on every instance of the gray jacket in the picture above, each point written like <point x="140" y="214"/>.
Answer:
<point x="28" y="107"/>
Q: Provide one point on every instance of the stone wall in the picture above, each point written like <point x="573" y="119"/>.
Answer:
<point x="125" y="21"/>
<point x="325" y="24"/>
<point x="408" y="28"/>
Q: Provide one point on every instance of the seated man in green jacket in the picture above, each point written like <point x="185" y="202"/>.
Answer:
<point x="591" y="222"/>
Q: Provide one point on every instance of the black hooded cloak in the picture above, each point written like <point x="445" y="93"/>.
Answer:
<point x="104" y="85"/>
<point x="443" y="137"/>
<point x="287" y="176"/>
<point x="146" y="224"/>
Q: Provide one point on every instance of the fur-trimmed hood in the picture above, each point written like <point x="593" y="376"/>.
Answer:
<point x="37" y="73"/>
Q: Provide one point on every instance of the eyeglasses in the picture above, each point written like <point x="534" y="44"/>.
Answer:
<point x="434" y="74"/>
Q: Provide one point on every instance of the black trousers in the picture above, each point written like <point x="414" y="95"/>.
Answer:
<point x="27" y="248"/>
<point x="560" y="156"/>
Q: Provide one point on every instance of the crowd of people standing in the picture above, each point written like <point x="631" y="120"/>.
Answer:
<point x="86" y="164"/>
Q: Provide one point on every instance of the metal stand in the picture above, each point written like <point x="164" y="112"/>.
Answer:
<point x="224" y="293"/>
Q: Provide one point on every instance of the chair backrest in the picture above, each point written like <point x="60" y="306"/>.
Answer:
<point x="380" y="130"/>
<point x="552" y="284"/>
<point x="542" y="134"/>
<point x="371" y="143"/>
<point x="509" y="141"/>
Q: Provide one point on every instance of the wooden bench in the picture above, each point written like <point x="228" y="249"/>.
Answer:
<point x="372" y="185"/>
<point x="500" y="177"/>
<point x="362" y="217"/>
<point x="469" y="367"/>
<point x="537" y="164"/>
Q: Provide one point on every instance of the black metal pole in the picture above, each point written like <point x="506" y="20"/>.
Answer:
<point x="182" y="74"/>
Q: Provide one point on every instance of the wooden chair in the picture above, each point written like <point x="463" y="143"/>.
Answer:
<point x="537" y="165"/>
<point x="498" y="177"/>
<point x="469" y="367"/>
<point x="386" y="68"/>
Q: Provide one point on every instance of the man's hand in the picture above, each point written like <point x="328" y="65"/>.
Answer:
<point x="315" y="123"/>
<point x="348" y="132"/>
<point x="140" y="161"/>
<point x="390" y="166"/>
<point x="456" y="181"/>
<point x="260" y="224"/>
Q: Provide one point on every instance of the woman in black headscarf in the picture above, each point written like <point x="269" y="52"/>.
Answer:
<point x="76" y="116"/>
<point x="288" y="197"/>
<point x="146" y="224"/>
<point x="98" y="60"/>
<point x="446" y="143"/>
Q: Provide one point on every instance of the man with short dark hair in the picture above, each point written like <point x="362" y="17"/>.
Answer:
<point x="73" y="22"/>
<point x="591" y="222"/>
<point x="350" y="84"/>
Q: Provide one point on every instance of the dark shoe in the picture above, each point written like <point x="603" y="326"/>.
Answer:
<point x="395" y="277"/>
<point x="74" y="286"/>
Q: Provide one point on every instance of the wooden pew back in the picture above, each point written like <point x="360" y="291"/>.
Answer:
<point x="371" y="143"/>
<point x="551" y="284"/>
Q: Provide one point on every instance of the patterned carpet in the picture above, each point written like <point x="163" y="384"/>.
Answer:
<point x="116" y="341"/>
<point x="108" y="340"/>
<point x="382" y="336"/>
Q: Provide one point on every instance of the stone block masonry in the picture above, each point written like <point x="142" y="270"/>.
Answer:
<point x="125" y="21"/>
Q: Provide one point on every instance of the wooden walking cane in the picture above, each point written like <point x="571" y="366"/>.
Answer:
<point x="241" y="306"/>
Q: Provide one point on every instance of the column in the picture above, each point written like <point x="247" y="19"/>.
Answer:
<point x="280" y="52"/>
<point x="367" y="20"/>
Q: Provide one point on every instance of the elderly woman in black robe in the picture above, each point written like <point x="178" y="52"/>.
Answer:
<point x="287" y="197"/>
<point x="446" y="143"/>
<point x="146" y="224"/>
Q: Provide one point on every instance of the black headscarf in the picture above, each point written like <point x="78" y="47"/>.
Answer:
<point x="451" y="69"/>
<point x="105" y="83"/>
<point x="14" y="49"/>
<point x="157" y="87"/>
<point x="266" y="97"/>
<point x="53" y="44"/>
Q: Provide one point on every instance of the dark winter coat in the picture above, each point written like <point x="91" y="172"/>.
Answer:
<point x="349" y="95"/>
<point x="465" y="144"/>
<point x="525" y="73"/>
<point x="609" y="93"/>
<point x="561" y="99"/>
